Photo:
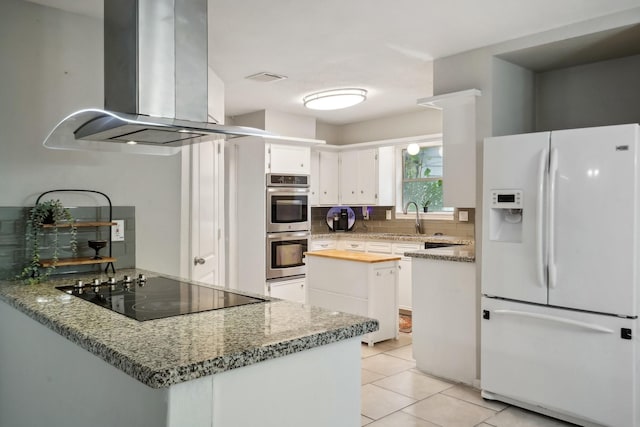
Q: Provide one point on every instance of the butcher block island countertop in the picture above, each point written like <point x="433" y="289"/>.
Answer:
<point x="354" y="256"/>
<point x="201" y="369"/>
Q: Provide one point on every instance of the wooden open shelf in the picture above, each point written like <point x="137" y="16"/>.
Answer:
<point x="80" y="224"/>
<point x="76" y="261"/>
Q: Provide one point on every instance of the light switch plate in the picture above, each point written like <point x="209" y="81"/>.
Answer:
<point x="388" y="214"/>
<point x="117" y="231"/>
<point x="463" y="216"/>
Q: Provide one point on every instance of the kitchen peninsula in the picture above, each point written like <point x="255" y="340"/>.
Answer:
<point x="65" y="361"/>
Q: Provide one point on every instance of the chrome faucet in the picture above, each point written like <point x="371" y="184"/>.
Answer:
<point x="406" y="209"/>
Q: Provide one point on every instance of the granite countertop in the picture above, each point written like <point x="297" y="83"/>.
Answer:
<point x="463" y="253"/>
<point x="394" y="237"/>
<point x="168" y="351"/>
<point x="353" y="256"/>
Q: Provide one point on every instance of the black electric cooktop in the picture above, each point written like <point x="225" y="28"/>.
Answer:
<point x="155" y="297"/>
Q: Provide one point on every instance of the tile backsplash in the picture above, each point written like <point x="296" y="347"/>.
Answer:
<point x="13" y="254"/>
<point x="377" y="223"/>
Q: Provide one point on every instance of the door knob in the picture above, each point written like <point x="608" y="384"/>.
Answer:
<point x="197" y="260"/>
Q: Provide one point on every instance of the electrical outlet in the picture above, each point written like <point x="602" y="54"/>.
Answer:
<point x="117" y="231"/>
<point x="388" y="214"/>
<point x="365" y="213"/>
<point x="463" y="216"/>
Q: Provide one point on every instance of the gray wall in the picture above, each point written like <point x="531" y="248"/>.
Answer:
<point x="52" y="65"/>
<point x="597" y="94"/>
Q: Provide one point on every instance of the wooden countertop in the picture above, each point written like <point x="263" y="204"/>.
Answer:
<point x="353" y="256"/>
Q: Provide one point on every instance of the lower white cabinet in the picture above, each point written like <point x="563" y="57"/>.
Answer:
<point x="351" y="245"/>
<point x="362" y="288"/>
<point x="404" y="276"/>
<point x="445" y="318"/>
<point x="318" y="245"/>
<point x="291" y="290"/>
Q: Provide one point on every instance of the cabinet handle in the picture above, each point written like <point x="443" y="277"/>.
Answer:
<point x="353" y="192"/>
<point x="198" y="261"/>
<point x="399" y="267"/>
<point x="361" y="191"/>
<point x="377" y="273"/>
<point x="325" y="192"/>
<point x="301" y="165"/>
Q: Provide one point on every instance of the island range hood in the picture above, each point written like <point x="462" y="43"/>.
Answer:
<point x="155" y="83"/>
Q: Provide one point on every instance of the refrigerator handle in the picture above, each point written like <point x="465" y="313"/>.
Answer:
<point x="542" y="164"/>
<point x="553" y="171"/>
<point x="584" y="325"/>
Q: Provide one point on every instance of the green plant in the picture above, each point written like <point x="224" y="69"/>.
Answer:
<point x="48" y="212"/>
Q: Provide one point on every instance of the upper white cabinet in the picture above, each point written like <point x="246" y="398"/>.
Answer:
<point x="293" y="159"/>
<point x="356" y="177"/>
<point x="328" y="178"/>
<point x="458" y="145"/>
<point x="359" y="177"/>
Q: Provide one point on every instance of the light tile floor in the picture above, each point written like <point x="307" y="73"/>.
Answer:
<point x="396" y="394"/>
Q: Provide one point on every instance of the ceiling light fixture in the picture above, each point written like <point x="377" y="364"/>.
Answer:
<point x="413" y="149"/>
<point x="334" y="99"/>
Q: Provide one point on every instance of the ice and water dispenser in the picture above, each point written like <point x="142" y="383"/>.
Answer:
<point x="505" y="216"/>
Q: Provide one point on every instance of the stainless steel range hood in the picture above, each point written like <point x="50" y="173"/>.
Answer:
<point x="156" y="80"/>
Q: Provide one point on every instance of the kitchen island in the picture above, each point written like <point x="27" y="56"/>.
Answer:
<point x="360" y="283"/>
<point x="65" y="361"/>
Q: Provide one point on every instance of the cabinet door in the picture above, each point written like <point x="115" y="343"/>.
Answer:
<point x="404" y="276"/>
<point x="367" y="177"/>
<point x="289" y="159"/>
<point x="314" y="191"/>
<point x="351" y="245"/>
<point x="329" y="178"/>
<point x="383" y="302"/>
<point x="349" y="178"/>
<point x="291" y="290"/>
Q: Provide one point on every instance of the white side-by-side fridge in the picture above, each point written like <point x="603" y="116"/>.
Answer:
<point x="560" y="277"/>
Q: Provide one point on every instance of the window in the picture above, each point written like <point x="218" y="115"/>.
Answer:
<point x="421" y="179"/>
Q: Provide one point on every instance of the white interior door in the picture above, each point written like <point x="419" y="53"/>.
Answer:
<point x="207" y="189"/>
<point x="591" y="266"/>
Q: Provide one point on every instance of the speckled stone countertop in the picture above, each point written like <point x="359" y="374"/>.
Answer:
<point x="394" y="237"/>
<point x="464" y="253"/>
<point x="168" y="351"/>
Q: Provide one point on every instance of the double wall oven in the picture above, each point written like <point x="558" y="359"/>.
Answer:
<point x="288" y="225"/>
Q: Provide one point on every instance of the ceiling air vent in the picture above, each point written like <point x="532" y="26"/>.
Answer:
<point x="265" y="77"/>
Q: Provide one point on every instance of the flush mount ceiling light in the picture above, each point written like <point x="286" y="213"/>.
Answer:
<point x="334" y="99"/>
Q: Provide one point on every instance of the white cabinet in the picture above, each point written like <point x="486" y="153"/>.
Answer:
<point x="404" y="276"/>
<point x="363" y="288"/>
<point x="329" y="179"/>
<point x="359" y="177"/>
<point x="379" y="247"/>
<point x="314" y="189"/>
<point x="355" y="177"/>
<point x="291" y="159"/>
<point x="458" y="145"/>
<point x="444" y="318"/>
<point x="351" y="245"/>
<point x="318" y="245"/>
<point x="292" y="290"/>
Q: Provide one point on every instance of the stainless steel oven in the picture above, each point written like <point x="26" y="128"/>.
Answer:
<point x="287" y="203"/>
<point x="285" y="254"/>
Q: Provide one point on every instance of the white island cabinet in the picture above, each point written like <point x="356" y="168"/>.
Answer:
<point x="68" y="362"/>
<point x="358" y="283"/>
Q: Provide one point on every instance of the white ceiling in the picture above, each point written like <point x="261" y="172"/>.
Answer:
<point x="385" y="47"/>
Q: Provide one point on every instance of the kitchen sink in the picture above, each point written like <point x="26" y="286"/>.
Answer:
<point x="431" y="245"/>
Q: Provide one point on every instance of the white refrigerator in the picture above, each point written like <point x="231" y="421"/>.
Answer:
<point x="560" y="273"/>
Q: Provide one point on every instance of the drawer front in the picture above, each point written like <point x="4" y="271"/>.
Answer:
<point x="401" y="248"/>
<point x="338" y="302"/>
<point x="351" y="245"/>
<point x="379" y="247"/>
<point x="318" y="245"/>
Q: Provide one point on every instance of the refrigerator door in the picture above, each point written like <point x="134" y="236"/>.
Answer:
<point x="565" y="361"/>
<point x="513" y="253"/>
<point x="593" y="219"/>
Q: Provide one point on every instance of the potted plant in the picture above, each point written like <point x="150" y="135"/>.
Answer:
<point x="425" y="204"/>
<point x="48" y="212"/>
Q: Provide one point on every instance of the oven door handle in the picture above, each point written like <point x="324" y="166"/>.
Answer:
<point x="288" y="236"/>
